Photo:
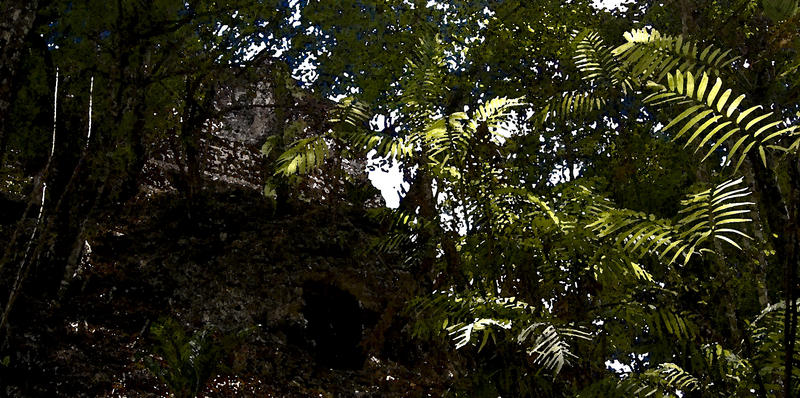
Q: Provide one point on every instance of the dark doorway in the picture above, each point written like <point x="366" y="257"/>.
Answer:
<point x="335" y="325"/>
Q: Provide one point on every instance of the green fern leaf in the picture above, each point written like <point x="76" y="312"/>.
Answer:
<point x="672" y="376"/>
<point x="303" y="157"/>
<point x="704" y="216"/>
<point x="745" y="130"/>
<point x="597" y="63"/>
<point x="549" y="348"/>
<point x="649" y="55"/>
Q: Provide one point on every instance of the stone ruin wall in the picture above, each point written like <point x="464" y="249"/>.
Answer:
<point x="229" y="151"/>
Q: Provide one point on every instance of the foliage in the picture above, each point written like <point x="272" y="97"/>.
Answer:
<point x="778" y="10"/>
<point x="579" y="187"/>
<point x="186" y="362"/>
<point x="518" y="259"/>
<point x="705" y="215"/>
<point x="709" y="123"/>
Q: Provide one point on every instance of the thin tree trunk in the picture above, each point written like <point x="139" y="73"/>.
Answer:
<point x="791" y="253"/>
<point x="780" y="210"/>
<point x="760" y="265"/>
<point x="22" y="272"/>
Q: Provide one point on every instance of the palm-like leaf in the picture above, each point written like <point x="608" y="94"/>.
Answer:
<point x="403" y="227"/>
<point x="597" y="63"/>
<point x="572" y="105"/>
<point x="662" y="380"/>
<point x="445" y="138"/>
<point x="549" y="345"/>
<point x="672" y="377"/>
<point x="713" y="117"/>
<point x="349" y="119"/>
<point x="649" y="55"/>
<point x="462" y="333"/>
<point x="711" y="213"/>
<point x="303" y="157"/>
<point x="659" y="321"/>
<point x="471" y="318"/>
<point x="614" y="387"/>
<point x="519" y="211"/>
<point x="452" y="137"/>
<point x="494" y="111"/>
<point x="617" y="268"/>
<point x="600" y="68"/>
<point x="464" y="315"/>
<point x="706" y="215"/>
<point x="422" y="87"/>
<point x="726" y="363"/>
<point x="459" y="309"/>
<point x="350" y="112"/>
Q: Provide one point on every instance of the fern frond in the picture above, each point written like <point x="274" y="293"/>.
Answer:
<point x="614" y="387"/>
<point x="351" y="112"/>
<point x="549" y="346"/>
<point x="649" y="55"/>
<point x="617" y="268"/>
<point x="572" y="105"/>
<point x="423" y="83"/>
<point x="187" y="361"/>
<point x="597" y="62"/>
<point x="463" y="316"/>
<point x="706" y="215"/>
<point x="453" y="136"/>
<point x="303" y="157"/>
<point x="662" y="321"/>
<point x="672" y="377"/>
<point x="714" y="118"/>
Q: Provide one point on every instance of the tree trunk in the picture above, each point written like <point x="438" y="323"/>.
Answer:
<point x="781" y="213"/>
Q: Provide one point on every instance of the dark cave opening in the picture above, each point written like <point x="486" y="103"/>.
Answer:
<point x="335" y="325"/>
